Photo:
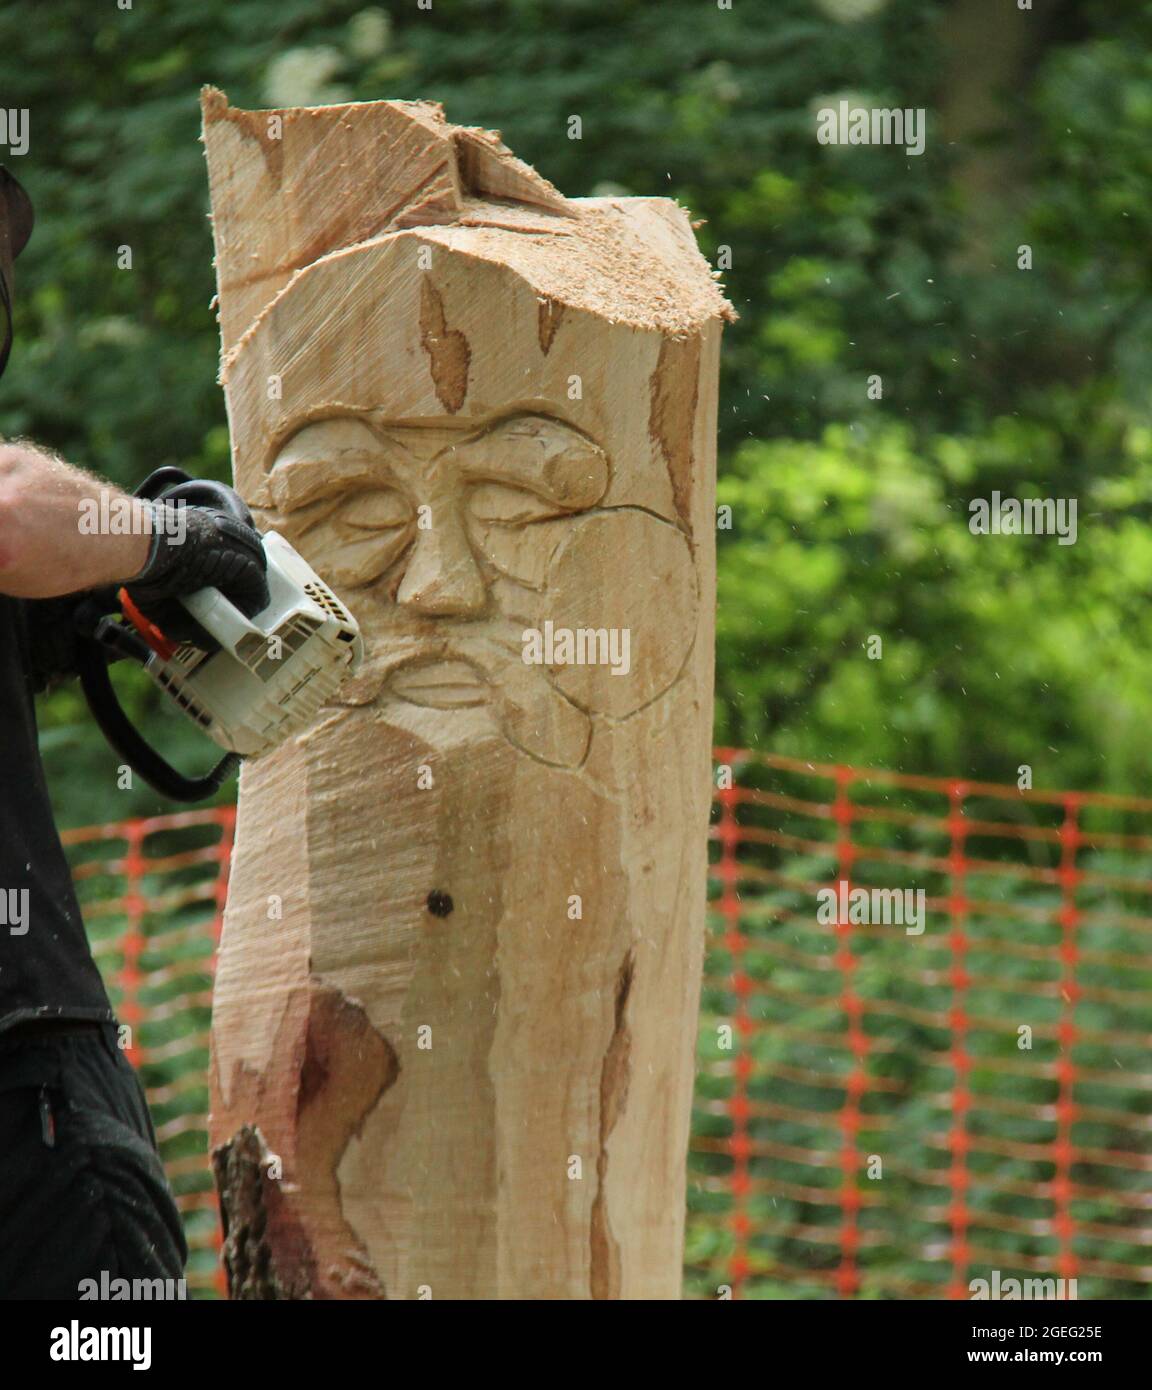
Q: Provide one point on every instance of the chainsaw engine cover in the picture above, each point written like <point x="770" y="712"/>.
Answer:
<point x="272" y="672"/>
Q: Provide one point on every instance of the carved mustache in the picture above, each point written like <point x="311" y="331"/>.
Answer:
<point x="533" y="714"/>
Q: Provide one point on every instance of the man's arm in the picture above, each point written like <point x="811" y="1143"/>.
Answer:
<point x="43" y="550"/>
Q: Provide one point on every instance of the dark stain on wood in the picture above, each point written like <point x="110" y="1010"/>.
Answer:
<point x="448" y="352"/>
<point x="549" y="314"/>
<point x="286" y="1235"/>
<point x="673" y="391"/>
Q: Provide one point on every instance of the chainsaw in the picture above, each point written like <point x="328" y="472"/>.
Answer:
<point x="249" y="683"/>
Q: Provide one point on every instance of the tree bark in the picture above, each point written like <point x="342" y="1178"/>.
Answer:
<point x="455" y="1010"/>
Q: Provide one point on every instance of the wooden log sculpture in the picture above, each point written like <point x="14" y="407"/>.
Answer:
<point x="456" y="1002"/>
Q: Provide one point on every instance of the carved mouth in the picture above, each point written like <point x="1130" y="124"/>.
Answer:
<point x="440" y="685"/>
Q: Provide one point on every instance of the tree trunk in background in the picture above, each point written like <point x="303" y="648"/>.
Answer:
<point x="455" y="1009"/>
<point x="989" y="50"/>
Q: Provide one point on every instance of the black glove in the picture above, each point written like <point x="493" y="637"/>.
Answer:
<point x="217" y="552"/>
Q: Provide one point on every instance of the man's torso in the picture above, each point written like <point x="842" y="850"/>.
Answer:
<point x="46" y="965"/>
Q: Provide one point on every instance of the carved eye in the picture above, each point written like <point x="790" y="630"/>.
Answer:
<point x="499" y="504"/>
<point x="375" y="509"/>
<point x="353" y="538"/>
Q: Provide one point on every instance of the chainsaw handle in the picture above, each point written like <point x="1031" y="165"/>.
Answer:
<point x="161" y="776"/>
<point x="172" y="484"/>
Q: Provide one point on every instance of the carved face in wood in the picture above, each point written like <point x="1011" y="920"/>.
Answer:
<point x="484" y="573"/>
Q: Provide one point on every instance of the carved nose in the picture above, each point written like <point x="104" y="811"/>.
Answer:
<point x="442" y="577"/>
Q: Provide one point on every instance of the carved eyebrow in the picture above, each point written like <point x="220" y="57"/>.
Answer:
<point x="295" y="482"/>
<point x="540" y="455"/>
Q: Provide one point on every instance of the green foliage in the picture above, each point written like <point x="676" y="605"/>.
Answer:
<point x="850" y="515"/>
<point x="997" y="651"/>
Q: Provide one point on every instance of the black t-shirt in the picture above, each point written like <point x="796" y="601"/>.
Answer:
<point x="46" y="965"/>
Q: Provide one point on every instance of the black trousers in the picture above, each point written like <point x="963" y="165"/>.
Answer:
<point x="83" y="1194"/>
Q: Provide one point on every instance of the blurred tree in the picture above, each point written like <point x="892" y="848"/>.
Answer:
<point x="850" y="514"/>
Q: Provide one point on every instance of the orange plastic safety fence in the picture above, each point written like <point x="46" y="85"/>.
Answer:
<point x="897" y="1094"/>
<point x="152" y="892"/>
<point x="923" y="1040"/>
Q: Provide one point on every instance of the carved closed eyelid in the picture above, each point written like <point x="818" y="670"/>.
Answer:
<point x="377" y="510"/>
<point x="513" y="499"/>
<point x="302" y="516"/>
<point x="368" y="510"/>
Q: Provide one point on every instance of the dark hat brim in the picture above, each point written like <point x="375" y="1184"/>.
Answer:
<point x="17" y="212"/>
<point x="16" y="219"/>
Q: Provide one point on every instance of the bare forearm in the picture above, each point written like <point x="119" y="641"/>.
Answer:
<point x="62" y="530"/>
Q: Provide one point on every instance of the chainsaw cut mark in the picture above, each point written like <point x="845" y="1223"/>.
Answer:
<point x="615" y="1074"/>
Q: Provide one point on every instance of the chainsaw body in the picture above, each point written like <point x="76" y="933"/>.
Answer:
<point x="250" y="683"/>
<point x="272" y="672"/>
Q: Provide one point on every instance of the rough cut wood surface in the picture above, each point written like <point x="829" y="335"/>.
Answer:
<point x="456" y="1002"/>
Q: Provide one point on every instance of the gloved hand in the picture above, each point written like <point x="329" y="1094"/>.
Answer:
<point x="216" y="552"/>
